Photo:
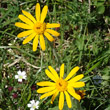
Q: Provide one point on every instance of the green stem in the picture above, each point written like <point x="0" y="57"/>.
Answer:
<point x="41" y="58"/>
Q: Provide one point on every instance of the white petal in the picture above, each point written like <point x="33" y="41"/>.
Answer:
<point x="29" y="105"/>
<point x="37" y="107"/>
<point x="32" y="101"/>
<point x="19" y="80"/>
<point x="16" y="76"/>
<point x="32" y="109"/>
<point x="19" y="72"/>
<point x="37" y="102"/>
<point x="24" y="77"/>
<point x="23" y="73"/>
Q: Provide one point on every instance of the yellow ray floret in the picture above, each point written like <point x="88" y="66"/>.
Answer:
<point x="62" y="71"/>
<point x="38" y="30"/>
<point x="53" y="25"/>
<point x="49" y="37"/>
<point x="22" y="25"/>
<point x="73" y="93"/>
<point x="37" y="12"/>
<point x="68" y="100"/>
<point x="50" y="75"/>
<point x="35" y="43"/>
<point x="61" y="100"/>
<point x="26" y="20"/>
<point x="55" y="33"/>
<point x="46" y="83"/>
<point x="53" y="72"/>
<point x="72" y="72"/>
<point x="42" y="42"/>
<point x="25" y="33"/>
<point x="61" y="86"/>
<point x="54" y="96"/>
<point x="76" y="78"/>
<point x="45" y="89"/>
<point x="29" y="16"/>
<point x="29" y="38"/>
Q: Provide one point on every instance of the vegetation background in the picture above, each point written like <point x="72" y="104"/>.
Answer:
<point x="84" y="42"/>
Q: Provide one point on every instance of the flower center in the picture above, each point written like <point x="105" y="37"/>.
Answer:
<point x="61" y="85"/>
<point x="21" y="77"/>
<point x="34" y="106"/>
<point x="39" y="28"/>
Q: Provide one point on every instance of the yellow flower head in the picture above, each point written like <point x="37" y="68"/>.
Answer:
<point x="60" y="85"/>
<point x="36" y="28"/>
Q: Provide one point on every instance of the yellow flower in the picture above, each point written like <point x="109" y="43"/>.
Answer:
<point x="60" y="85"/>
<point x="36" y="28"/>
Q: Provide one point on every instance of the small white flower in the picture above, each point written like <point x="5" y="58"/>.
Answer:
<point x="20" y="76"/>
<point x="6" y="86"/>
<point x="33" y="105"/>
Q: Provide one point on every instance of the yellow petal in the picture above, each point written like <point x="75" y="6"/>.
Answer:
<point x="29" y="38"/>
<point x="46" y="89"/>
<point x="29" y="16"/>
<point x="53" y="25"/>
<point x="35" y="43"/>
<point x="42" y="42"/>
<point x="50" y="75"/>
<point x="37" y="11"/>
<point x="73" y="93"/>
<point x="72" y="72"/>
<point x="25" y="33"/>
<point x="54" y="96"/>
<point x="48" y="94"/>
<point x="77" y="84"/>
<point x="22" y="25"/>
<point x="53" y="72"/>
<point x="48" y="36"/>
<point x="45" y="83"/>
<point x="62" y="71"/>
<point x="76" y="78"/>
<point x="26" y="20"/>
<point x="55" y="33"/>
<point x="61" y="100"/>
<point x="68" y="100"/>
<point x="44" y="13"/>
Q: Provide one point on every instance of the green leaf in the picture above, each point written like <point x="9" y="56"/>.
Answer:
<point x="75" y="105"/>
<point x="100" y="3"/>
<point x="29" y="96"/>
<point x="108" y="108"/>
<point x="93" y="67"/>
<point x="101" y="9"/>
<point x="102" y="0"/>
<point x="85" y="79"/>
<point x="55" y="108"/>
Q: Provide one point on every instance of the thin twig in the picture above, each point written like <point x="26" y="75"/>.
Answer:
<point x="89" y="10"/>
<point x="30" y="64"/>
<point x="18" y="60"/>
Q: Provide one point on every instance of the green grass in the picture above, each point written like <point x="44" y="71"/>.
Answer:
<point x="84" y="42"/>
